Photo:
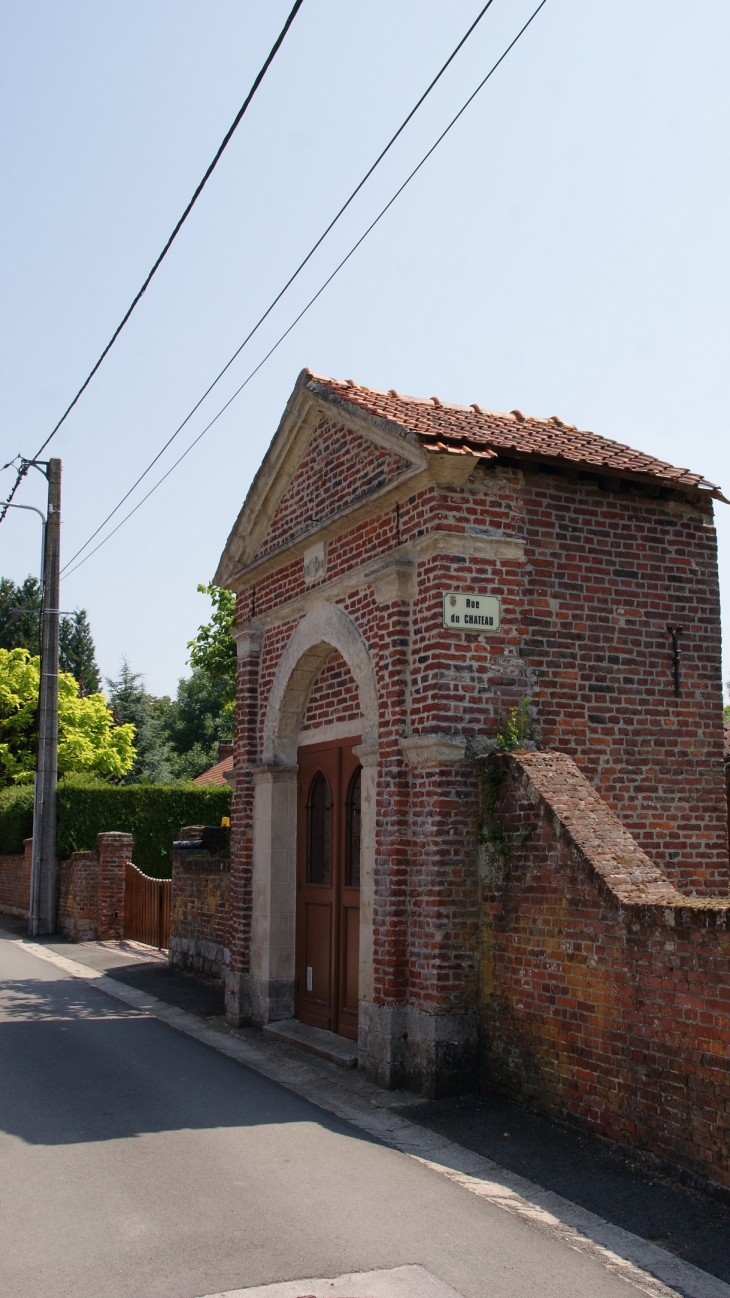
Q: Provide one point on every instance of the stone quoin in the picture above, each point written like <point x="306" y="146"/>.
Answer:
<point x="365" y="718"/>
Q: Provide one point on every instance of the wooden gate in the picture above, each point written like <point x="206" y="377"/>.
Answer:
<point x="147" y="908"/>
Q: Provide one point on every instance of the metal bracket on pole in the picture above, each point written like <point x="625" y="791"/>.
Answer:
<point x="11" y="505"/>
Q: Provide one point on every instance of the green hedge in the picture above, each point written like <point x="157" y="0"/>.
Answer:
<point x="153" y="813"/>
<point x="16" y="817"/>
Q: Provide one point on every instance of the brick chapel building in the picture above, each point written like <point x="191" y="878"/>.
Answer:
<point x="408" y="570"/>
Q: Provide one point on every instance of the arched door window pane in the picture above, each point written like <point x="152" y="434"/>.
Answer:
<point x="354" y="819"/>
<point x="319" y="831"/>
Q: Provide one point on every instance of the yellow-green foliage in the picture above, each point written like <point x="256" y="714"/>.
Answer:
<point x="88" y="740"/>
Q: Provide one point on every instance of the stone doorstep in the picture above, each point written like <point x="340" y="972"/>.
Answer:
<point x="317" y="1041"/>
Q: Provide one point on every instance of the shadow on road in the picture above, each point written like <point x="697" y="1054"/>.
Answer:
<point x="75" y="1066"/>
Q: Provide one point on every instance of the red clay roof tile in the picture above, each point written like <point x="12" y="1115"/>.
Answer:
<point x="216" y="774"/>
<point x="442" y="426"/>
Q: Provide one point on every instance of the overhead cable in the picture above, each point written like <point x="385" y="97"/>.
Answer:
<point x="224" y="143"/>
<point x="311" y="301"/>
<point x="289" y="282"/>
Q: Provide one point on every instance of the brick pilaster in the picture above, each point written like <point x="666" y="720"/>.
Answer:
<point x="249" y="645"/>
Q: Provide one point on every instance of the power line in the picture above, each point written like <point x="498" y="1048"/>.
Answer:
<point x="289" y="282"/>
<point x="224" y="143"/>
<point x="313" y="299"/>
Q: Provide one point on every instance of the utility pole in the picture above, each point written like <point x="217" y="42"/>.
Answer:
<point x="42" y="918"/>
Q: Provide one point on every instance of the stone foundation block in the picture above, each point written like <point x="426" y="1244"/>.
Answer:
<point x="272" y="999"/>
<point x="209" y="958"/>
<point x="238" y="998"/>
<point x="432" y="1054"/>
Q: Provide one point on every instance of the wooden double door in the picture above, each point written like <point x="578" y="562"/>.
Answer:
<point x="328" y="887"/>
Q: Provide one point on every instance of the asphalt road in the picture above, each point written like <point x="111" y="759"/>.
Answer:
<point x="135" y="1161"/>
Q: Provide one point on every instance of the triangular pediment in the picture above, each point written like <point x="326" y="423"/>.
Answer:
<point x="321" y="465"/>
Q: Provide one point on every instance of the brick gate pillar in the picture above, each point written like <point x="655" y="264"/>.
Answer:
<point x="113" y="850"/>
<point x="237" y="975"/>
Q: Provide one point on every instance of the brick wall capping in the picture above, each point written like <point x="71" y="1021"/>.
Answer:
<point x="115" y="838"/>
<point x="612" y="858"/>
<point x="433" y="750"/>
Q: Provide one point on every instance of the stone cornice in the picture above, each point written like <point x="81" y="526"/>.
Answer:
<point x="273" y="773"/>
<point x="249" y="642"/>
<point x="395" y="573"/>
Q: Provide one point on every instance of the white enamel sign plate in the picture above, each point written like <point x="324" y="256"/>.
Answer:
<point x="472" y="612"/>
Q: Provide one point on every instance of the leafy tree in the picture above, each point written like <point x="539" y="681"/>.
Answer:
<point x="213" y="650"/>
<point x="131" y="704"/>
<point x="20" y="628"/>
<point x="20" y="614"/>
<point x="88" y="740"/>
<point x="177" y="739"/>
<point x="77" y="653"/>
<point x="198" y="720"/>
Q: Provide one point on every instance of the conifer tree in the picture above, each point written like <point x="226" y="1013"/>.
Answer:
<point x="20" y="608"/>
<point x="77" y="654"/>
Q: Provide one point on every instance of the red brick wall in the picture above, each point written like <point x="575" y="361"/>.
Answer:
<point x="608" y="572"/>
<point x="334" y="696"/>
<point x="199" y="913"/>
<point x="339" y="468"/>
<point x="607" y="567"/>
<point x="606" y="994"/>
<point x="91" y="888"/>
<point x="15" y="882"/>
<point x="78" y="897"/>
<point x="584" y="634"/>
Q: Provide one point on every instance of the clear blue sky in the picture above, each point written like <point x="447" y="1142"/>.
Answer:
<point x="565" y="251"/>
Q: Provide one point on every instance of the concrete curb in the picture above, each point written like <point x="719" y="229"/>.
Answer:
<point x="645" y="1266"/>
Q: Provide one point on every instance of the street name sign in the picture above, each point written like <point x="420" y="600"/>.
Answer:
<point x="472" y="612"/>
